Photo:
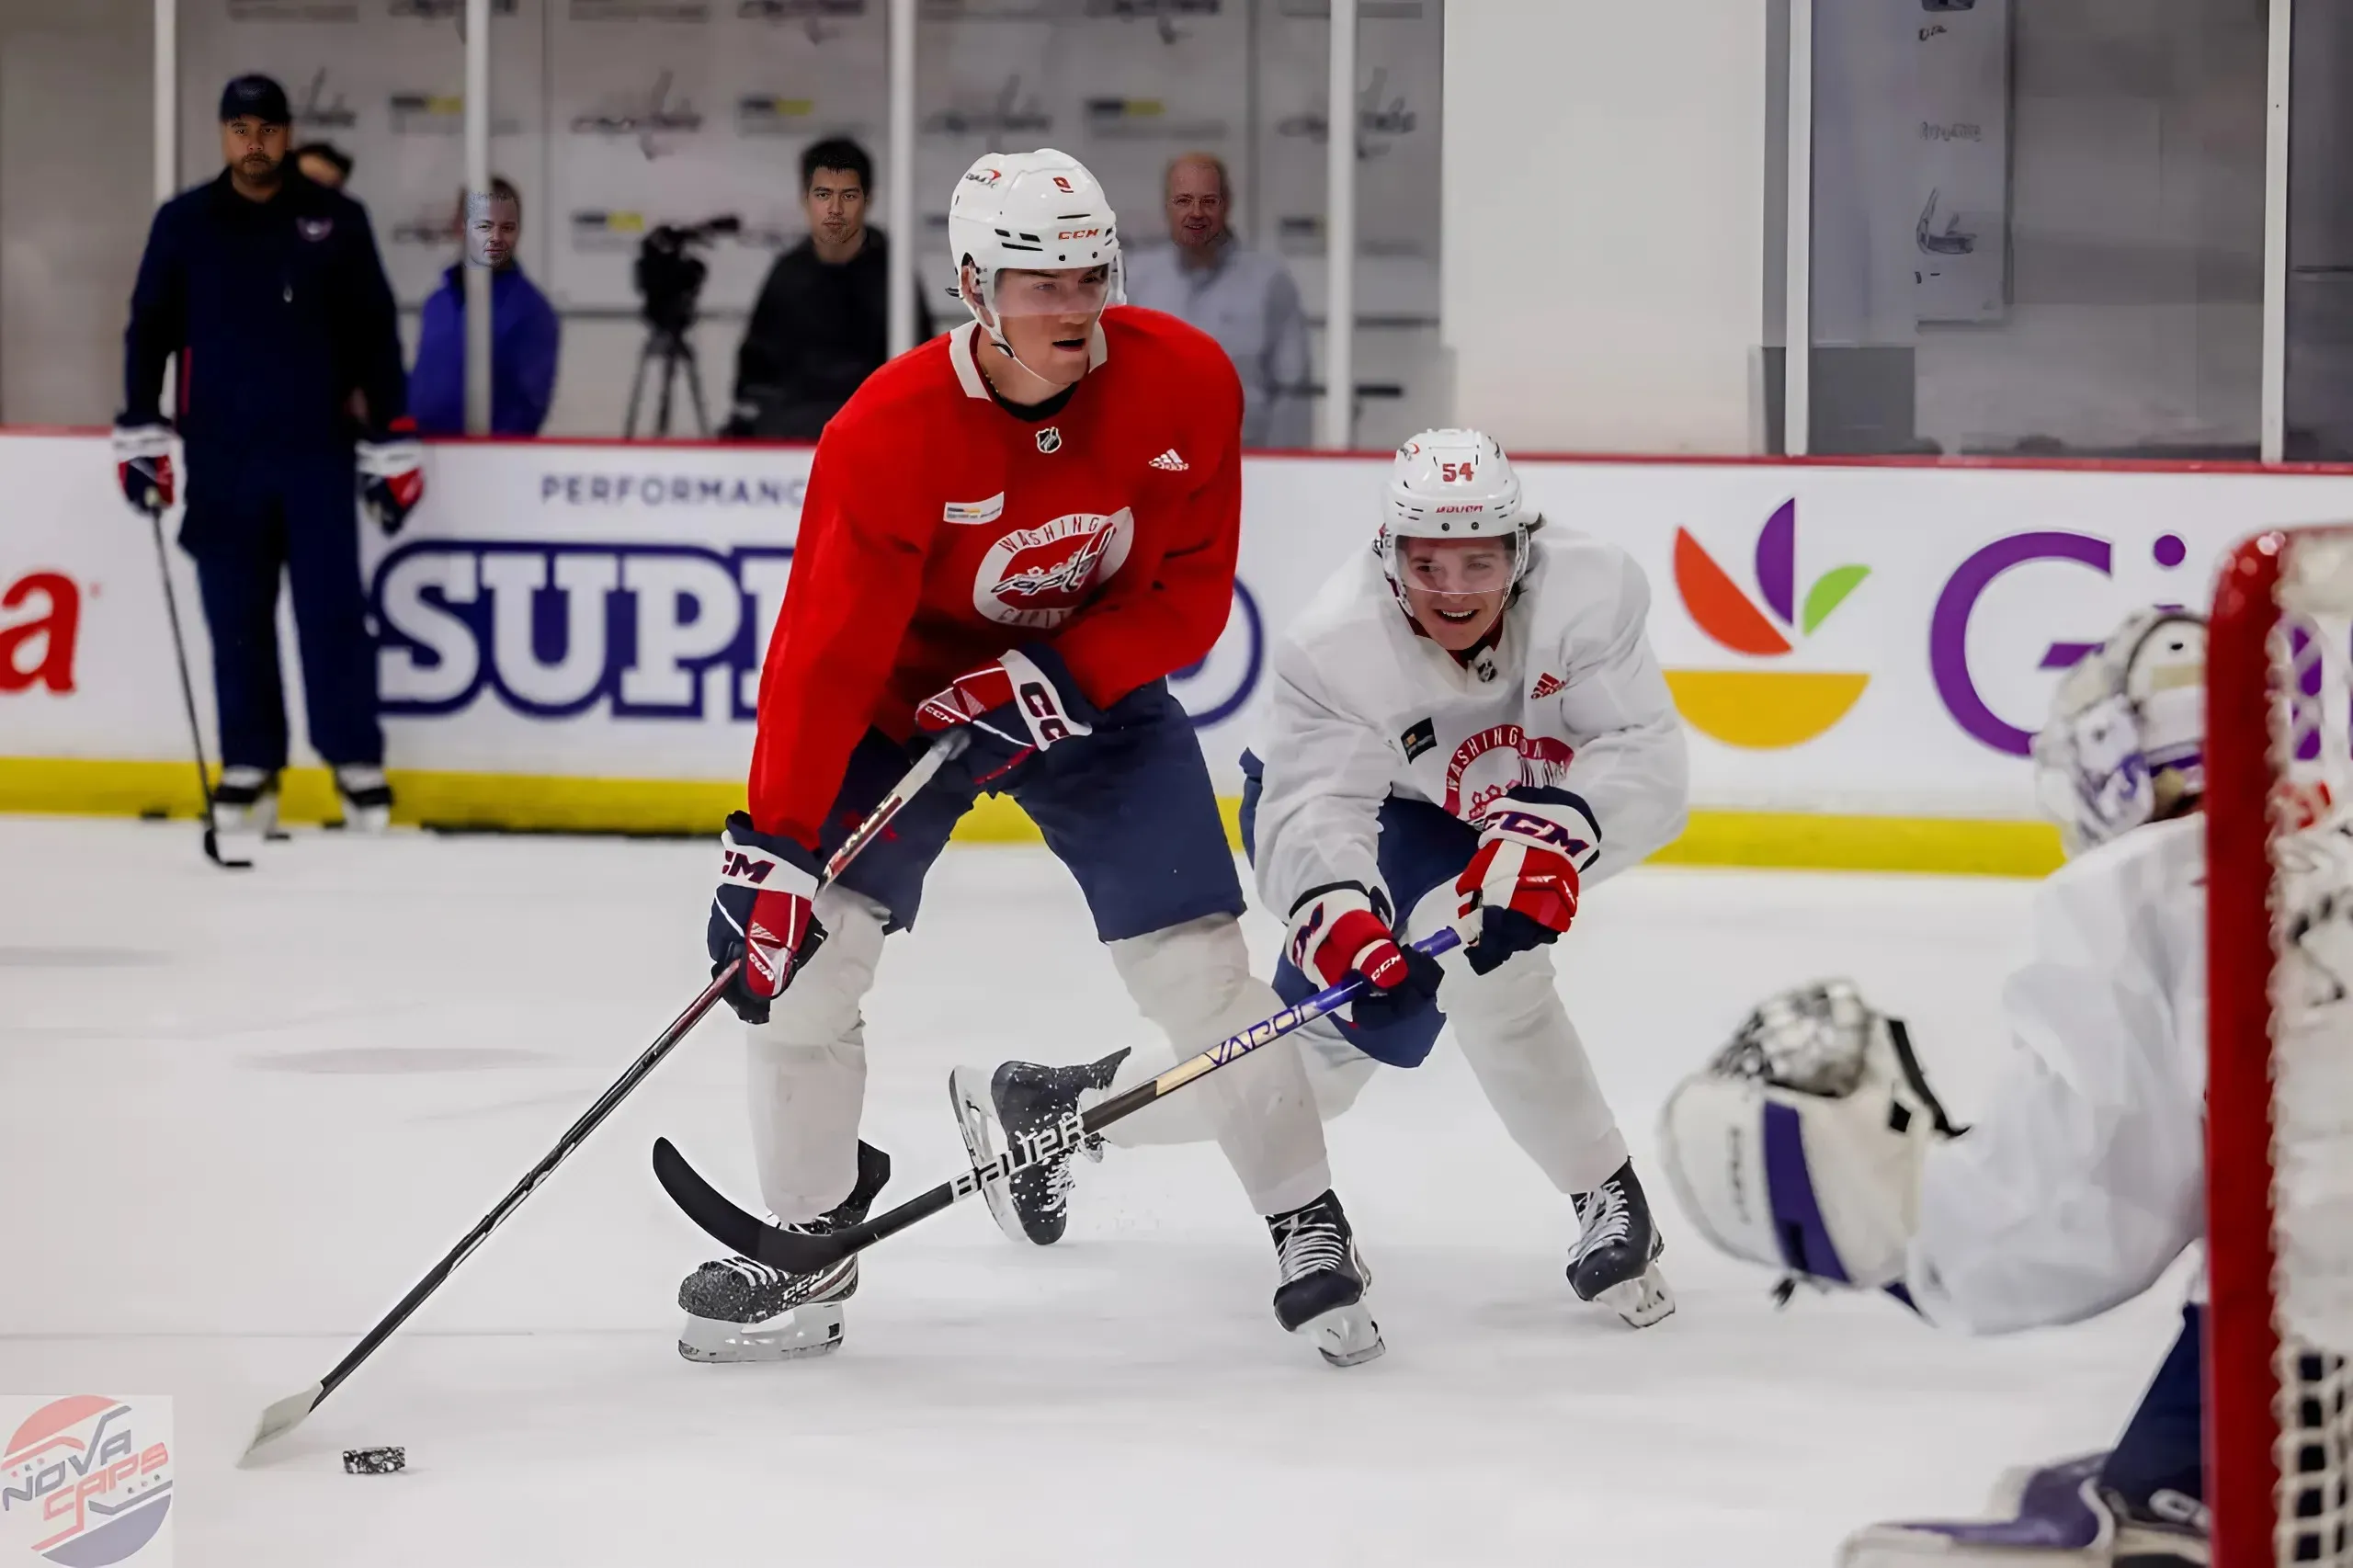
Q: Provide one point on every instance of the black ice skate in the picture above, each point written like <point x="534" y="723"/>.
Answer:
<point x="1323" y="1282"/>
<point x="739" y="1310"/>
<point x="366" y="798"/>
<point x="1615" y="1260"/>
<point x="244" y="805"/>
<point x="1025" y="1099"/>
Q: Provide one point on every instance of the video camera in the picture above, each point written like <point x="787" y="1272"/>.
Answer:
<point x="670" y="276"/>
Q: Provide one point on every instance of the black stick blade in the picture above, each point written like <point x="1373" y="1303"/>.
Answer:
<point x="213" y="852"/>
<point x="743" y="1233"/>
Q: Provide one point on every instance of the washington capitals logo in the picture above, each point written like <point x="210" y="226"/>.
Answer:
<point x="1038" y="577"/>
<point x="1070" y="572"/>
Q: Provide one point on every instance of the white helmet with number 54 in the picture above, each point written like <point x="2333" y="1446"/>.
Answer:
<point x="1453" y="485"/>
<point x="1039" y="210"/>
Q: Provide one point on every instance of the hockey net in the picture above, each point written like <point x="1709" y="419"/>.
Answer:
<point x="2279" y="1091"/>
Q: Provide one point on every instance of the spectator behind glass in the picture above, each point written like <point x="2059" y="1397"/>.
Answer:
<point x="323" y="162"/>
<point x="1244" y="299"/>
<point x="524" y="331"/>
<point x="822" y="322"/>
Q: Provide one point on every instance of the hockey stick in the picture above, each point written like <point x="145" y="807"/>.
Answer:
<point x="289" y="1413"/>
<point x="187" y="695"/>
<point x="797" y="1252"/>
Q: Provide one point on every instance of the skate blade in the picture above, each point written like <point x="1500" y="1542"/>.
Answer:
<point x="813" y="1330"/>
<point x="1345" y="1336"/>
<point x="368" y="820"/>
<point x="1641" y="1302"/>
<point x="968" y="1096"/>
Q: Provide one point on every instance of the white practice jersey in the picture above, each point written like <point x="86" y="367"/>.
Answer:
<point x="2085" y="1176"/>
<point x="1365" y="707"/>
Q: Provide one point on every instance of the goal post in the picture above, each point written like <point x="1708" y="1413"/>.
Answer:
<point x="2279" y="1085"/>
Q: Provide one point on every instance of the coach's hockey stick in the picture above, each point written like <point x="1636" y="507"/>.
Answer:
<point x="187" y="695"/>
<point x="797" y="1252"/>
<point x="289" y="1413"/>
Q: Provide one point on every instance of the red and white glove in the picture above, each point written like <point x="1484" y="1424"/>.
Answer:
<point x="142" y="465"/>
<point x="1520" y="889"/>
<point x="764" y="913"/>
<point x="1021" y="702"/>
<point x="392" y="475"/>
<point x="1342" y="930"/>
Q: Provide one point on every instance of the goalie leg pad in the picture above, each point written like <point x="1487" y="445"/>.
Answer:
<point x="808" y="1065"/>
<point x="2053" y="1516"/>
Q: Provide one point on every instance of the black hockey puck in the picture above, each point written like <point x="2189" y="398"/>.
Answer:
<point x="374" y="1462"/>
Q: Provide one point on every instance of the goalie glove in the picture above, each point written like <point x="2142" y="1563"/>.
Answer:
<point x="1341" y="931"/>
<point x="392" y="475"/>
<point x="1020" y="702"/>
<point x="142" y="465"/>
<point x="765" y="913"/>
<point x="1520" y="889"/>
<point x="1800" y="1146"/>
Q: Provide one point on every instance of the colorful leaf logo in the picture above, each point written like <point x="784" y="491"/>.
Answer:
<point x="1731" y="618"/>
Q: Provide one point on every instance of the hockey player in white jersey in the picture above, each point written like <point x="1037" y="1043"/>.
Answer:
<point x="1814" y="1145"/>
<point x="1468" y="727"/>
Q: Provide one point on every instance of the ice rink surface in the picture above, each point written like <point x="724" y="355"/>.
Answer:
<point x="240" y="1114"/>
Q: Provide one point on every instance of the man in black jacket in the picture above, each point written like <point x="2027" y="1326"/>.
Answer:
<point x="269" y="291"/>
<point x="822" y="322"/>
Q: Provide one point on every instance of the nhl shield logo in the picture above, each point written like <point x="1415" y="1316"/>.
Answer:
<point x="1050" y="439"/>
<point x="314" y="229"/>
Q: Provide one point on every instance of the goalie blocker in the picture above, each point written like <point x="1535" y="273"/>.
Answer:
<point x="1800" y="1146"/>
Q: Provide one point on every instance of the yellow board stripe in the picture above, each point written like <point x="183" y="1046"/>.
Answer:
<point x="522" y="802"/>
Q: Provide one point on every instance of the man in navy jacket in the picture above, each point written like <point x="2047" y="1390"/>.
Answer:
<point x="525" y="330"/>
<point x="290" y="400"/>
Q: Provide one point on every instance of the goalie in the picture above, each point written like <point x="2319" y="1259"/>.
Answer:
<point x="1813" y="1144"/>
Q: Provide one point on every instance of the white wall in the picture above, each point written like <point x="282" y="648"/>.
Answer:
<point x="76" y="190"/>
<point x="1602" y="251"/>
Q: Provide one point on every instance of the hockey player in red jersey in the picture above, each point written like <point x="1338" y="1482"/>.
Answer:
<point x="1019" y="529"/>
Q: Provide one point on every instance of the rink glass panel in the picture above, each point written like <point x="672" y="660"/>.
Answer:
<point x="2037" y="228"/>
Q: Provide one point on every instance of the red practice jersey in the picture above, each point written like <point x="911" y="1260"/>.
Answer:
<point x="939" y="531"/>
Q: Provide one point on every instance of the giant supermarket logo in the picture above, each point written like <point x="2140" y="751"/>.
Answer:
<point x="1762" y="709"/>
<point x="556" y="630"/>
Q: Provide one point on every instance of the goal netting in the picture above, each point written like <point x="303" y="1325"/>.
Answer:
<point x="2280" y="1093"/>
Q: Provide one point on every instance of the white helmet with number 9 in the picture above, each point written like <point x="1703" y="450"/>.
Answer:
<point x="1453" y="485"/>
<point x="1041" y="210"/>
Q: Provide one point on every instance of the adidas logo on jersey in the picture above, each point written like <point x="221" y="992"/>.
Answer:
<point x="1169" y="462"/>
<point x="1548" y="684"/>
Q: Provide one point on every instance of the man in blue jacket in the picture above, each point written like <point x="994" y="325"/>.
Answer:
<point x="525" y="332"/>
<point x="268" y="289"/>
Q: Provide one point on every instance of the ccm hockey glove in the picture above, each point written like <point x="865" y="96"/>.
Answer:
<point x="1342" y="930"/>
<point x="1022" y="702"/>
<point x="764" y="913"/>
<point x="1520" y="889"/>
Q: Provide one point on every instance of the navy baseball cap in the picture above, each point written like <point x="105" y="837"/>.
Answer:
<point x="255" y="97"/>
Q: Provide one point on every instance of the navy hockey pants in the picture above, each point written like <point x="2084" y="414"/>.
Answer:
<point x="1129" y="809"/>
<point x="1423" y="847"/>
<point x="2162" y="1446"/>
<point x="251" y="519"/>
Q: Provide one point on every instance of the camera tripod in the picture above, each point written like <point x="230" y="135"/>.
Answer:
<point x="667" y="346"/>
